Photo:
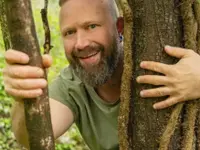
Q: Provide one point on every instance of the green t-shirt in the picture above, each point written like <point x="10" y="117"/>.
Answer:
<point x="96" y="119"/>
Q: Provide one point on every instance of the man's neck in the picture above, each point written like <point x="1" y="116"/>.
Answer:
<point x="110" y="91"/>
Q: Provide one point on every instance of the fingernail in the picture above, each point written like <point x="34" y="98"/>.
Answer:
<point x="24" y="59"/>
<point x="138" y="79"/>
<point x="44" y="83"/>
<point x="167" y="47"/>
<point x="155" y="107"/>
<point x="142" y="64"/>
<point x="39" y="92"/>
<point x="141" y="93"/>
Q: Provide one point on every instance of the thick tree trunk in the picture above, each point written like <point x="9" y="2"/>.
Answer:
<point x="23" y="37"/>
<point x="156" y="23"/>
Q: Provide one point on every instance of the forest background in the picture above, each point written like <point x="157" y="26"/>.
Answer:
<point x="72" y="139"/>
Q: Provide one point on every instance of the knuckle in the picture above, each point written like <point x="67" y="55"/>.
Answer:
<point x="174" y="101"/>
<point x="155" y="68"/>
<point x="30" y="84"/>
<point x="7" y="58"/>
<point x="9" y="55"/>
<point x="19" y="84"/>
<point x="176" y="71"/>
<point x="26" y="72"/>
<point x="182" y="98"/>
<point x="23" y="93"/>
<point x="167" y="103"/>
<point x="16" y="73"/>
<point x="142" y="78"/>
<point x="34" y="72"/>
<point x="190" y="52"/>
<point x="20" y="93"/>
<point x="175" y="82"/>
<point x="34" y="93"/>
<point x="9" y="91"/>
<point x="160" y="92"/>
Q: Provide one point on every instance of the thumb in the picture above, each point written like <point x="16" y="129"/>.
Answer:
<point x="47" y="60"/>
<point x="176" y="51"/>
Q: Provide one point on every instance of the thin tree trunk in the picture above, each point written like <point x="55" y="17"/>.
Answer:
<point x="23" y="37"/>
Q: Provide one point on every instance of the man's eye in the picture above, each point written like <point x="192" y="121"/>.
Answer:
<point x="70" y="32"/>
<point x="92" y="26"/>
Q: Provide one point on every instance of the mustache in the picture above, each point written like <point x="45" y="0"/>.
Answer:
<point x="88" y="51"/>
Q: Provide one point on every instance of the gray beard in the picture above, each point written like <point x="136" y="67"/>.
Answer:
<point x="104" y="70"/>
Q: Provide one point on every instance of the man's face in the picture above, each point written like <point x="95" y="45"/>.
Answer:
<point x="90" y="40"/>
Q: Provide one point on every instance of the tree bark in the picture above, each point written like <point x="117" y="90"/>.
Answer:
<point x="156" y="23"/>
<point x="21" y="28"/>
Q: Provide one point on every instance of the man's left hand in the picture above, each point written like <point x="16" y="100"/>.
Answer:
<point x="181" y="81"/>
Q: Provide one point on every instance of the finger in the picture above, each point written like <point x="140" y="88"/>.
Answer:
<point x="153" y="79"/>
<point x="24" y="93"/>
<point x="156" y="92"/>
<point x="18" y="71"/>
<point x="155" y="66"/>
<point x="47" y="60"/>
<point x="26" y="84"/>
<point x="177" y="51"/>
<point x="166" y="103"/>
<point x="14" y="56"/>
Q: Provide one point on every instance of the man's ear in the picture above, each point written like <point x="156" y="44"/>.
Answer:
<point x="120" y="25"/>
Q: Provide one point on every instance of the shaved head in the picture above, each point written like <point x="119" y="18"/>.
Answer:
<point x="112" y="6"/>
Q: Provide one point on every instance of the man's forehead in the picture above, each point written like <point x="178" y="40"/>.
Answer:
<point x="98" y="6"/>
<point x="99" y="2"/>
<point x="78" y="11"/>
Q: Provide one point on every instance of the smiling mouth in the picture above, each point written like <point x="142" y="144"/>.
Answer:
<point x="91" y="59"/>
<point x="88" y="56"/>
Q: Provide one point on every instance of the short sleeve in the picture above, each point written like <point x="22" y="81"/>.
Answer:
<point x="58" y="90"/>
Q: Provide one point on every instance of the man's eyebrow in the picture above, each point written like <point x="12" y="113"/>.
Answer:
<point x="90" y="22"/>
<point x="87" y="23"/>
<point x="67" y="28"/>
<point x="83" y="24"/>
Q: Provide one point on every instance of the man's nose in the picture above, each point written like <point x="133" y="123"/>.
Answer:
<point x="82" y="41"/>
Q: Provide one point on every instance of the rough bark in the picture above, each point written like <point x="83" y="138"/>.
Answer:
<point x="156" y="24"/>
<point x="23" y="37"/>
<point x="125" y="96"/>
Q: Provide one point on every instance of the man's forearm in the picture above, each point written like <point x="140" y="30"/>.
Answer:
<point x="18" y="123"/>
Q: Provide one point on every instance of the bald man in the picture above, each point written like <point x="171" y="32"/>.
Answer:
<point x="87" y="91"/>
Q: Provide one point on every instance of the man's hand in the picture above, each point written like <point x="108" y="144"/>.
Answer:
<point x="22" y="80"/>
<point x="181" y="81"/>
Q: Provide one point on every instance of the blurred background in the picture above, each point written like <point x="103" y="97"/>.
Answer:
<point x="72" y="139"/>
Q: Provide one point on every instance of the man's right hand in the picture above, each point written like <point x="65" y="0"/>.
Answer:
<point x="22" y="80"/>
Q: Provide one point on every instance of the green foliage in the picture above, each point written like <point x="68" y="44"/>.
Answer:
<point x="72" y="139"/>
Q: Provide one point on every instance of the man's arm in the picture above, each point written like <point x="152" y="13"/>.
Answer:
<point x="60" y="122"/>
<point x="24" y="81"/>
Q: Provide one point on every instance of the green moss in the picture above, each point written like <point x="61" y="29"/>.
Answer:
<point x="125" y="96"/>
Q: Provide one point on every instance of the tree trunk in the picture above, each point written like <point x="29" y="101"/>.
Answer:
<point x="17" y="14"/>
<point x="156" y="23"/>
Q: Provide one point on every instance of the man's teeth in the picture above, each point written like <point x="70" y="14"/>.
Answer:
<point x="89" y="55"/>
